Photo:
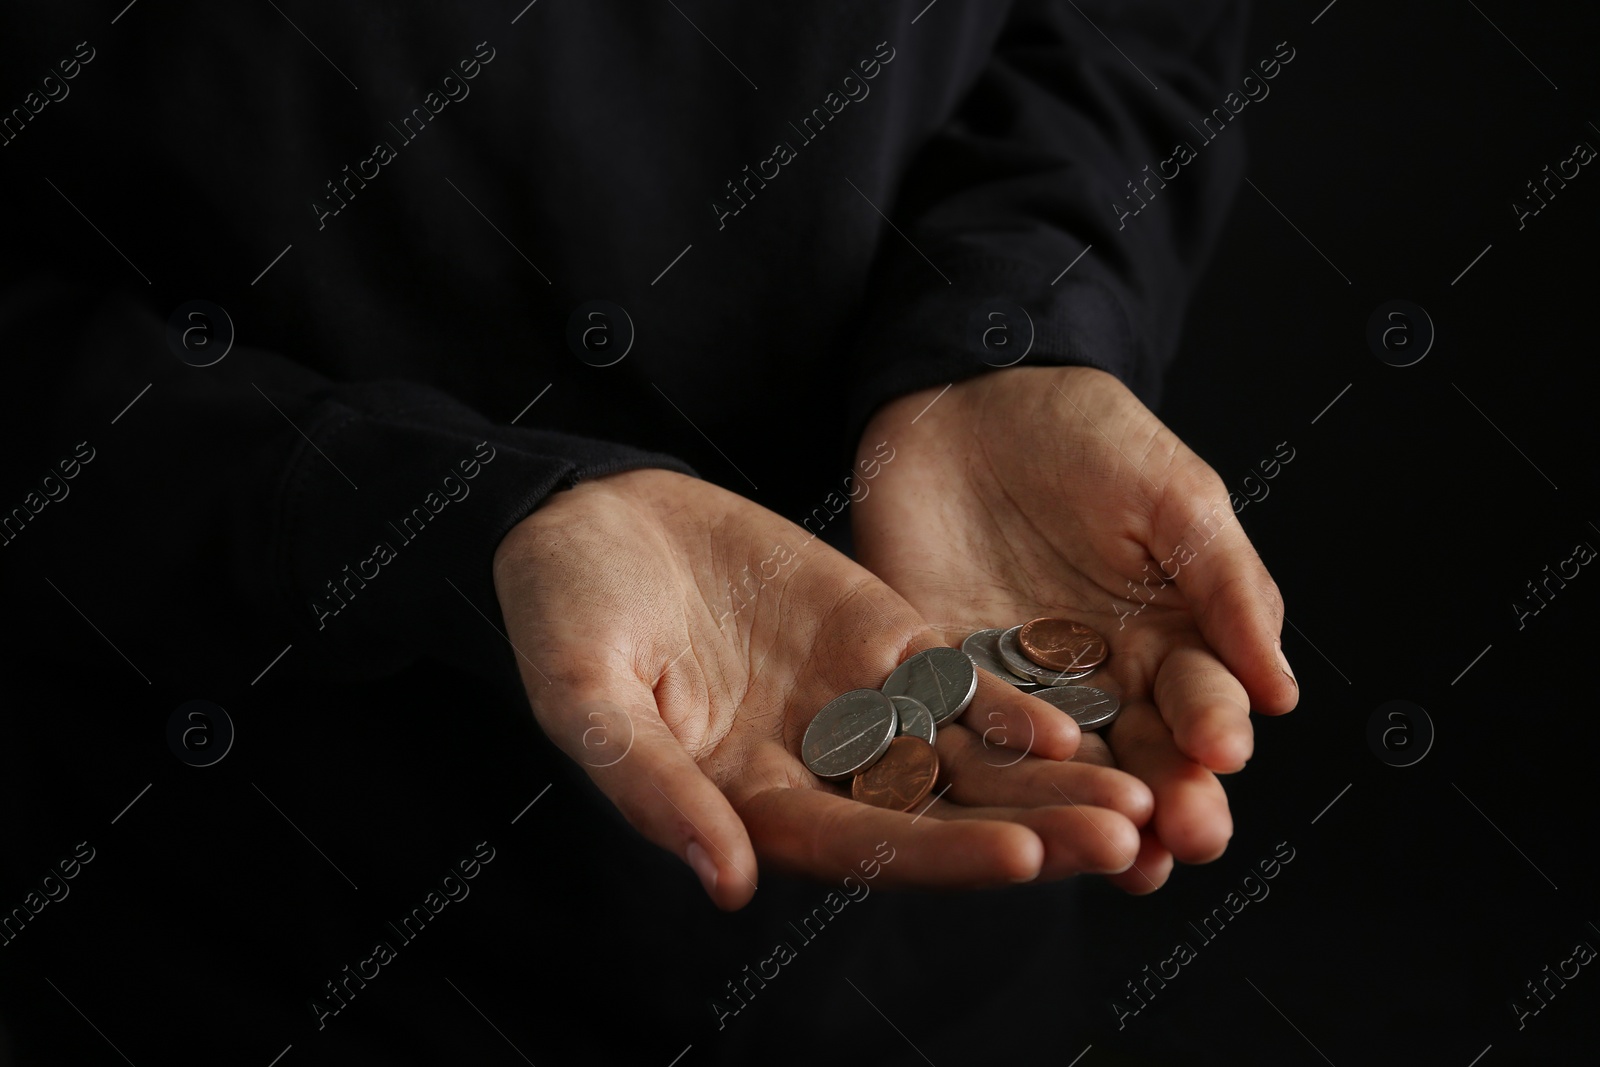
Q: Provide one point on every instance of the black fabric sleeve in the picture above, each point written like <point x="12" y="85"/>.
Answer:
<point x="228" y="511"/>
<point x="1078" y="100"/>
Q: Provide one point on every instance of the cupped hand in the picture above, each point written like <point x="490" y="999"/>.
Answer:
<point x="1054" y="491"/>
<point x="676" y="640"/>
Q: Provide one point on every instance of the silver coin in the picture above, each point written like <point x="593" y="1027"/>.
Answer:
<point x="915" y="719"/>
<point x="983" y="647"/>
<point x="943" y="679"/>
<point x="849" y="734"/>
<point x="1017" y="662"/>
<point x="1089" y="707"/>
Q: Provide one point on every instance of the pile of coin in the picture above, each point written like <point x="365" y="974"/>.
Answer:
<point x="1042" y="658"/>
<point x="881" y="740"/>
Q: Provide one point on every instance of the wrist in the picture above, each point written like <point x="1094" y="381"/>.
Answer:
<point x="619" y="501"/>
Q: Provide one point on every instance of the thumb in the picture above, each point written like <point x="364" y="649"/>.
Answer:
<point x="1236" y="602"/>
<point x="616" y="734"/>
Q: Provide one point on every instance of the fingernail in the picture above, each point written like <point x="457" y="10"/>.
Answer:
<point x="702" y="866"/>
<point x="1283" y="661"/>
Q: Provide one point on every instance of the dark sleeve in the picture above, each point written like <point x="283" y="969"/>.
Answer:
<point x="206" y="522"/>
<point x="1033" y="169"/>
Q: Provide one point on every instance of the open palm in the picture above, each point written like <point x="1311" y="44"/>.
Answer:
<point x="676" y="640"/>
<point x="1054" y="491"/>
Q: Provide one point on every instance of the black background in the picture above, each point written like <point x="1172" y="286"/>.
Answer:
<point x="1414" y="511"/>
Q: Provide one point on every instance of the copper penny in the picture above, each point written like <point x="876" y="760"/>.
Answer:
<point x="901" y="779"/>
<point x="1062" y="645"/>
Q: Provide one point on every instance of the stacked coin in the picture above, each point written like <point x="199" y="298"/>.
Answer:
<point x="881" y="740"/>
<point x="1042" y="658"/>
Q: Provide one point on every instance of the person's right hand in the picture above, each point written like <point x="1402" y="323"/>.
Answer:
<point x="683" y="683"/>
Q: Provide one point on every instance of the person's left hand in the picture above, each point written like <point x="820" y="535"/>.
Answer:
<point x="1041" y="491"/>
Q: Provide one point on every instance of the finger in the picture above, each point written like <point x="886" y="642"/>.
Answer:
<point x="1078" y="838"/>
<point x="617" y="736"/>
<point x="1006" y="717"/>
<point x="821" y="834"/>
<point x="1206" y="708"/>
<point x="1149" y="871"/>
<point x="1191" y="817"/>
<point x="983" y="774"/>
<point x="1235" y="600"/>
